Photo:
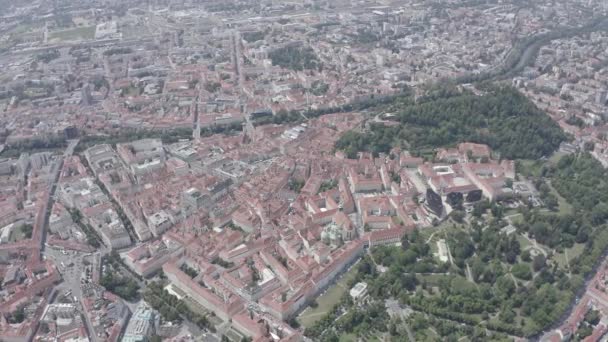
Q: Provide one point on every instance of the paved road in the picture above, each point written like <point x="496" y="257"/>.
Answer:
<point x="71" y="267"/>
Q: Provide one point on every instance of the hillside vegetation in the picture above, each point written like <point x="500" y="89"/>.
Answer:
<point x="503" y="118"/>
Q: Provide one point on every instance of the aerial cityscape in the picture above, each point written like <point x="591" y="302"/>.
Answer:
<point x="333" y="171"/>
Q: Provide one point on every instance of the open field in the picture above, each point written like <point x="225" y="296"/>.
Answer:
<point x="77" y="33"/>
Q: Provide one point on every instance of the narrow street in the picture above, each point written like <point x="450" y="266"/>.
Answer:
<point x="70" y="264"/>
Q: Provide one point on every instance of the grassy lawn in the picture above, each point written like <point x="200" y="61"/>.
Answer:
<point x="573" y="252"/>
<point x="564" y="207"/>
<point x="556" y="157"/>
<point x="21" y="29"/>
<point x="428" y="231"/>
<point x="517" y="218"/>
<point x="434" y="234"/>
<point x="434" y="247"/>
<point x="461" y="285"/>
<point x="530" y="168"/>
<point x="17" y="234"/>
<point x="327" y="300"/>
<point x="77" y="33"/>
<point x="523" y="242"/>
<point x="348" y="338"/>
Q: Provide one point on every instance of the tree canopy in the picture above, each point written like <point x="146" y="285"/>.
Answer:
<point x="502" y="118"/>
<point x="296" y="58"/>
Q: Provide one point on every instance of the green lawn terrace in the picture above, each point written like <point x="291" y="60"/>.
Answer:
<point x="327" y="300"/>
